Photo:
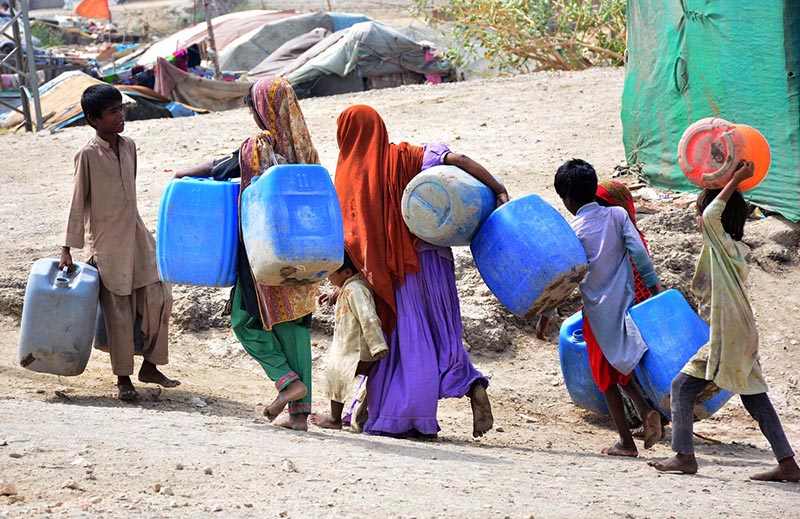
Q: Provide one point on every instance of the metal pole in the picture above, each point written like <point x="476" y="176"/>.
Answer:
<point x="33" y="80"/>
<point x="23" y="93"/>
<point x="212" y="43"/>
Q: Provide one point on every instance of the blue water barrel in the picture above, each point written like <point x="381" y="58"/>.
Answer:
<point x="446" y="206"/>
<point x="529" y="256"/>
<point x="575" y="367"/>
<point x="58" y="318"/>
<point x="292" y="225"/>
<point x="198" y="232"/>
<point x="673" y="333"/>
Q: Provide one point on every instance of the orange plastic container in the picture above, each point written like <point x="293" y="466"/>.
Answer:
<point x="711" y="149"/>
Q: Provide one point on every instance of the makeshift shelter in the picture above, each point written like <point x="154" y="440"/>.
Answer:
<point x="367" y="55"/>
<point x="736" y="60"/>
<point x="189" y="89"/>
<point x="227" y="28"/>
<point x="287" y="53"/>
<point x="250" y="49"/>
<point x="61" y="102"/>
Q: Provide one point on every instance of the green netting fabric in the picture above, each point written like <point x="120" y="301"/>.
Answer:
<point x="690" y="59"/>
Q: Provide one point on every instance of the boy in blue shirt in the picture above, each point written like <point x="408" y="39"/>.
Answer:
<point x="613" y="342"/>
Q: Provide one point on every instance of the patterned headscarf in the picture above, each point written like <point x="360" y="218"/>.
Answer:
<point x="371" y="175"/>
<point x="283" y="139"/>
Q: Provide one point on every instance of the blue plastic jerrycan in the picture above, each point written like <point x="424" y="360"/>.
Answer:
<point x="198" y="232"/>
<point x="101" y="333"/>
<point x="673" y="333"/>
<point x="575" y="366"/>
<point x="529" y="256"/>
<point x="446" y="206"/>
<point x="58" y="318"/>
<point x="292" y="225"/>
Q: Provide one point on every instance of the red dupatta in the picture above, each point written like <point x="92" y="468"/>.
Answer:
<point x="371" y="175"/>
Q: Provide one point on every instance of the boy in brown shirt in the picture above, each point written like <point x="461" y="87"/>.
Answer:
<point x="103" y="208"/>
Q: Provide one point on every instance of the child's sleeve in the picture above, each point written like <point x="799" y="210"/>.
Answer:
<point x="638" y="252"/>
<point x="714" y="231"/>
<point x="362" y="304"/>
<point x="78" y="205"/>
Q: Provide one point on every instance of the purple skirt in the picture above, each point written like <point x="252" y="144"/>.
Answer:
<point x="427" y="360"/>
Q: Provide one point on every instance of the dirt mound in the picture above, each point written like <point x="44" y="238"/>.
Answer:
<point x="199" y="308"/>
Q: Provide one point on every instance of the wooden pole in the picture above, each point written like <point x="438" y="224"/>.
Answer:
<point x="211" y="41"/>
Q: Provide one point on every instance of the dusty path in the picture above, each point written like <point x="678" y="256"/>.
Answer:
<point x="541" y="461"/>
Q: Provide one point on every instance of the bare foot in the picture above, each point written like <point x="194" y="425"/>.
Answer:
<point x="125" y="390"/>
<point x="149" y="374"/>
<point x="680" y="463"/>
<point x="325" y="421"/>
<point x="620" y="450"/>
<point x="542" y="324"/>
<point x="652" y="429"/>
<point x="787" y="470"/>
<point x="638" y="432"/>
<point x="482" y="419"/>
<point x="295" y="422"/>
<point x="294" y="391"/>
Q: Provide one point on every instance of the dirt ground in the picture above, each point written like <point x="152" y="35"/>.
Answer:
<point x="70" y="449"/>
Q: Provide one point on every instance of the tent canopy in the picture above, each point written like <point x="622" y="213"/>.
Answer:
<point x="375" y="49"/>
<point x="713" y="58"/>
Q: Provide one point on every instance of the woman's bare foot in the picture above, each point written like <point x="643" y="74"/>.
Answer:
<point x="787" y="470"/>
<point x="618" y="449"/>
<point x="294" y="391"/>
<point x="149" y="374"/>
<point x="681" y="463"/>
<point x="638" y="432"/>
<point x="125" y="390"/>
<point x="295" y="422"/>
<point x="482" y="419"/>
<point x="325" y="421"/>
<point x="652" y="429"/>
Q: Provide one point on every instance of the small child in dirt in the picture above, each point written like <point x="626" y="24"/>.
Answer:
<point x="730" y="358"/>
<point x="358" y="340"/>
<point x="613" y="342"/>
<point x="120" y="246"/>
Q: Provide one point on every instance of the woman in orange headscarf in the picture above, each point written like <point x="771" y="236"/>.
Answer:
<point x="413" y="281"/>
<point x="272" y="322"/>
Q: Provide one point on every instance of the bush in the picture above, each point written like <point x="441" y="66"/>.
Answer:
<point x="525" y="35"/>
<point x="49" y="36"/>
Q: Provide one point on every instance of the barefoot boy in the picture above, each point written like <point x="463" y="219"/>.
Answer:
<point x="357" y="344"/>
<point x="120" y="246"/>
<point x="612" y="341"/>
<point x="730" y="359"/>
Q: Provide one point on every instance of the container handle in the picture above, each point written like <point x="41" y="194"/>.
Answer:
<point x="63" y="279"/>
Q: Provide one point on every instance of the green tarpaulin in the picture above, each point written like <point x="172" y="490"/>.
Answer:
<point x="739" y="60"/>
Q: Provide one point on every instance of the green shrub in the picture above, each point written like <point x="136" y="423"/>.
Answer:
<point x="49" y="36"/>
<point x="524" y="35"/>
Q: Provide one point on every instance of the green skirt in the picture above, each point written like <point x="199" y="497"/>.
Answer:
<point x="283" y="352"/>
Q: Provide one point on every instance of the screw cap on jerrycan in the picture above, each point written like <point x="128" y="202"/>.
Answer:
<point x="58" y="318"/>
<point x="529" y="256"/>
<point x="711" y="149"/>
<point x="673" y="333"/>
<point x="446" y="206"/>
<point x="577" y="373"/>
<point x="292" y="225"/>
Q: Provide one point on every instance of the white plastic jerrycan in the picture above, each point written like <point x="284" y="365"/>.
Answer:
<point x="58" y="318"/>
